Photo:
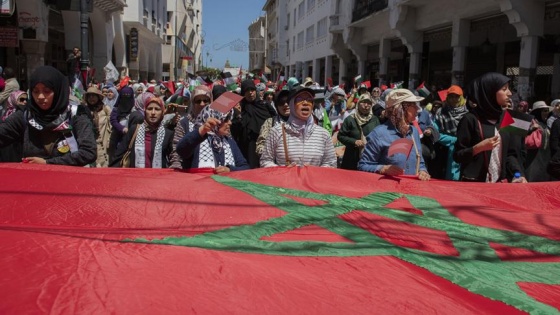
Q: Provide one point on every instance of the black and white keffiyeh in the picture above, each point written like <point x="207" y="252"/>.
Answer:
<point x="140" y="147"/>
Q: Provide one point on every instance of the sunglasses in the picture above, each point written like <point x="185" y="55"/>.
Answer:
<point x="22" y="99"/>
<point x="303" y="98"/>
<point x="206" y="101"/>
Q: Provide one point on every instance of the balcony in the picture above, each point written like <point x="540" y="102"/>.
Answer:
<point x="336" y="25"/>
<point x="364" y="8"/>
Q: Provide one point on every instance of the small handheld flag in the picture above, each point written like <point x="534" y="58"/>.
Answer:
<point x="442" y="95"/>
<point x="516" y="122"/>
<point x="226" y="102"/>
<point x="422" y="90"/>
<point x="402" y="146"/>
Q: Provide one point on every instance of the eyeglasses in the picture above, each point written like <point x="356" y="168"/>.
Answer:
<point x="206" y="101"/>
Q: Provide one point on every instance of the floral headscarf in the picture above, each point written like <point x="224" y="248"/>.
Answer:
<point x="395" y="114"/>
<point x="11" y="103"/>
<point x="141" y="100"/>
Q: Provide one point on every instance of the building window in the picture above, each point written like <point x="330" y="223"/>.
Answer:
<point x="310" y="5"/>
<point x="300" y="40"/>
<point x="294" y="44"/>
<point x="301" y="10"/>
<point x="322" y="27"/>
<point x="288" y="22"/>
<point x="294" y="17"/>
<point x="310" y="34"/>
<point x="288" y="48"/>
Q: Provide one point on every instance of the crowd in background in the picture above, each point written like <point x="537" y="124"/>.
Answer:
<point x="454" y="134"/>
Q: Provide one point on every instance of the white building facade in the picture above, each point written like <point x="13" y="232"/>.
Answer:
<point x="183" y="41"/>
<point x="440" y="42"/>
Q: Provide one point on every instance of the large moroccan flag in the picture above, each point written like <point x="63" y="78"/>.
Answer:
<point x="301" y="240"/>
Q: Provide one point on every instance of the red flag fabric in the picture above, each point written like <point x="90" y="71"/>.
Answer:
<point x="402" y="146"/>
<point x="277" y="240"/>
<point x="171" y="86"/>
<point x="442" y="95"/>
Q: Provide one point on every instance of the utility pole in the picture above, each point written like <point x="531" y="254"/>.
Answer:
<point x="84" y="60"/>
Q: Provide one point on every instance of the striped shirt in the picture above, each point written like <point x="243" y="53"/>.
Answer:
<point x="315" y="149"/>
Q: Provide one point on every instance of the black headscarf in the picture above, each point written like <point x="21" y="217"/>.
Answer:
<point x="482" y="91"/>
<point x="125" y="103"/>
<point x="58" y="83"/>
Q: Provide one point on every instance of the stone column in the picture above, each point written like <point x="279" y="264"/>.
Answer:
<point x="414" y="71"/>
<point x="34" y="50"/>
<point x="328" y="69"/>
<point x="384" y="52"/>
<point x="556" y="77"/>
<point x="527" y="66"/>
<point x="317" y="70"/>
<point x="342" y="71"/>
<point x="459" y="41"/>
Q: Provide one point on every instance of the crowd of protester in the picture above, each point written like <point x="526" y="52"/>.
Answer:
<point x="285" y="123"/>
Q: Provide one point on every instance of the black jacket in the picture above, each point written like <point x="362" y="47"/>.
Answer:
<point x="44" y="143"/>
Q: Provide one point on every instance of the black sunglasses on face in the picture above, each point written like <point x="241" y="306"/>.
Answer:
<point x="206" y="101"/>
<point x="22" y="100"/>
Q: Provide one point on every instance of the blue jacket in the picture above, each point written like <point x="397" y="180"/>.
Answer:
<point x="375" y="153"/>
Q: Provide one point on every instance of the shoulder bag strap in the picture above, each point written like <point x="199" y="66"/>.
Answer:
<point x="131" y="143"/>
<point x="285" y="144"/>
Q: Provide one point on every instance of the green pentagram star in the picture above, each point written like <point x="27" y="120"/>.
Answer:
<point x="477" y="268"/>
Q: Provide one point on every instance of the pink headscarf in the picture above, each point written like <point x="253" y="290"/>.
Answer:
<point x="12" y="103"/>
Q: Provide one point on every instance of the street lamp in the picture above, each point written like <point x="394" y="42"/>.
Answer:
<point x="207" y="57"/>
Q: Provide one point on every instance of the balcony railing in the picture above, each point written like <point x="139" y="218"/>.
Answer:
<point x="335" y="26"/>
<point x="365" y="8"/>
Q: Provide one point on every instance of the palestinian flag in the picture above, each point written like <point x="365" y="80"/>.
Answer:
<point x="423" y="90"/>
<point x="358" y="79"/>
<point x="516" y="122"/>
<point x="229" y="81"/>
<point x="303" y="240"/>
<point x="263" y="78"/>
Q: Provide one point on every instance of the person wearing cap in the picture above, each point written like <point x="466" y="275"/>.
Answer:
<point x="100" y="115"/>
<point x="151" y="141"/>
<point x="254" y="112"/>
<point x="209" y="145"/>
<point x="308" y="82"/>
<point x="355" y="130"/>
<point x="200" y="97"/>
<point x="299" y="141"/>
<point x="319" y="112"/>
<point x="283" y="110"/>
<point x="537" y="144"/>
<point x="335" y="105"/>
<point x="485" y="154"/>
<point x="353" y="101"/>
<point x="446" y="120"/>
<point x="401" y="110"/>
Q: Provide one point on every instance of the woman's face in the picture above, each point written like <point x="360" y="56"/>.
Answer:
<point x="544" y="114"/>
<point x="110" y="94"/>
<point x="22" y="99"/>
<point x="411" y="111"/>
<point x="43" y="96"/>
<point x="503" y="97"/>
<point x="92" y="99"/>
<point x="364" y="107"/>
<point x="153" y="113"/>
<point x="269" y="97"/>
<point x="283" y="107"/>
<point x="199" y="103"/>
<point x="303" y="105"/>
<point x="139" y="91"/>
<point x="105" y="91"/>
<point x="453" y="99"/>
<point x="224" y="129"/>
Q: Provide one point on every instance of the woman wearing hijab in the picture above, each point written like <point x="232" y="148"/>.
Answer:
<point x="49" y="132"/>
<point x="121" y="119"/>
<point x="100" y="116"/>
<point x="112" y="97"/>
<point x="210" y="145"/>
<point x="16" y="102"/>
<point x="537" y="144"/>
<point x="446" y="120"/>
<point x="201" y="97"/>
<point x="299" y="141"/>
<point x="354" y="131"/>
<point x="485" y="154"/>
<point x="151" y="141"/>
<point x="401" y="111"/>
<point x="283" y="110"/>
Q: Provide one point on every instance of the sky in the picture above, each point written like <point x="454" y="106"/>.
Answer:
<point x="224" y="22"/>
